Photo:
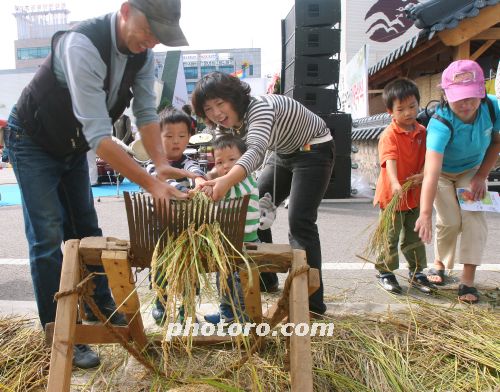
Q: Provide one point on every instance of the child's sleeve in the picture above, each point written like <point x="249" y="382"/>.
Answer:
<point x="387" y="147"/>
<point x="193" y="167"/>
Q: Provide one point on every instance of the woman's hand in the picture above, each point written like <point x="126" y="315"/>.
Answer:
<point x="423" y="226"/>
<point x="478" y="187"/>
<point x="218" y="187"/>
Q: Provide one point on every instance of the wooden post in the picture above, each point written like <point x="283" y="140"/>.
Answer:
<point x="61" y="356"/>
<point x="462" y="51"/>
<point x="117" y="268"/>
<point x="253" y="300"/>
<point x="300" y="346"/>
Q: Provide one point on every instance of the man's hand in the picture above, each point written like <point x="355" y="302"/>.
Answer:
<point x="163" y="191"/>
<point x="166" y="172"/>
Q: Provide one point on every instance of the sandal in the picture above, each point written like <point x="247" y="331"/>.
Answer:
<point x="439" y="273"/>
<point x="464" y="290"/>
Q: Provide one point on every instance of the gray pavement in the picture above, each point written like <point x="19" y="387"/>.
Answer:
<point x="344" y="227"/>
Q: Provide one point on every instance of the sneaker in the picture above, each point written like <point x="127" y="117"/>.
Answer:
<point x="107" y="308"/>
<point x="420" y="282"/>
<point x="84" y="357"/>
<point x="227" y="315"/>
<point x="158" y="313"/>
<point x="389" y="282"/>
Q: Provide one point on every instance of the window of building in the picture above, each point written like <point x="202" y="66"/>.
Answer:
<point x="229" y="69"/>
<point x="206" y="69"/>
<point x="190" y="87"/>
<point x="250" y="70"/>
<point x="33" y="53"/>
<point x="191" y="72"/>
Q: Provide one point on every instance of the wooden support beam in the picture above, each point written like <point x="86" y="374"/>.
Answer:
<point x="270" y="257"/>
<point x="492" y="33"/>
<point x="117" y="268"/>
<point x="462" y="51"/>
<point x="91" y="248"/>
<point x="61" y="356"/>
<point x="470" y="27"/>
<point x="300" y="346"/>
<point x="483" y="48"/>
<point x="90" y="334"/>
<point x="314" y="282"/>
<point x="253" y="300"/>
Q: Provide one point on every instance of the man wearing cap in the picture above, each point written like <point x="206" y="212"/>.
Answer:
<point x="68" y="108"/>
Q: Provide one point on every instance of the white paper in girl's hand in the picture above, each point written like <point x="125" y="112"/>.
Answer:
<point x="490" y="203"/>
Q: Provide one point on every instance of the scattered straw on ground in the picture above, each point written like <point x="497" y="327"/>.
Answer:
<point x="429" y="348"/>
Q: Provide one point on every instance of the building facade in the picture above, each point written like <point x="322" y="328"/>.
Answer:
<point x="198" y="63"/>
<point x="35" y="26"/>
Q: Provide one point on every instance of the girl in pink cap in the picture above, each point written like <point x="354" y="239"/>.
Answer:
<point x="463" y="143"/>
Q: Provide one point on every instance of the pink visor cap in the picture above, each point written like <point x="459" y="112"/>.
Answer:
<point x="463" y="79"/>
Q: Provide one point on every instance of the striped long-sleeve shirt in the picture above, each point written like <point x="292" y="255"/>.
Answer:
<point x="248" y="187"/>
<point x="278" y="123"/>
<point x="185" y="163"/>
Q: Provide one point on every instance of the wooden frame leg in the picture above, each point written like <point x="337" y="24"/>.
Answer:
<point x="61" y="356"/>
<point x="117" y="268"/>
<point x="300" y="346"/>
<point x="253" y="300"/>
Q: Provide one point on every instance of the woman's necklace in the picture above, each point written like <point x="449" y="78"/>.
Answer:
<point x="237" y="130"/>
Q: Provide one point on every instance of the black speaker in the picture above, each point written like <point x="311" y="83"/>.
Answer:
<point x="340" y="125"/>
<point x="310" y="13"/>
<point x="340" y="183"/>
<point x="317" y="100"/>
<point x="311" y="41"/>
<point x="312" y="71"/>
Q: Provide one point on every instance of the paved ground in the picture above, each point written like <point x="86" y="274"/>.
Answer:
<point x="344" y="228"/>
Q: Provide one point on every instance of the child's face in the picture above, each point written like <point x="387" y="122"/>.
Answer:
<point x="174" y="138"/>
<point x="405" y="112"/>
<point x="225" y="159"/>
<point x="466" y="109"/>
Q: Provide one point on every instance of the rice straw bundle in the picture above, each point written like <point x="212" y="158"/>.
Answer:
<point x="183" y="266"/>
<point x="24" y="357"/>
<point x="379" y="240"/>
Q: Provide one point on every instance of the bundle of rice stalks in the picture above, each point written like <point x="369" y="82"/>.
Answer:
<point x="182" y="269"/>
<point x="24" y="357"/>
<point x="379" y="240"/>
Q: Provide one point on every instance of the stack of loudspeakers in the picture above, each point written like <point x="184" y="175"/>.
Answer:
<point x="310" y="37"/>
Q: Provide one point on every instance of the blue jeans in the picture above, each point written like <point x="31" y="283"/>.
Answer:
<point x="57" y="206"/>
<point x="303" y="176"/>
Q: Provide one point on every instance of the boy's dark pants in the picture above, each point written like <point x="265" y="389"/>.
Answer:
<point x="411" y="245"/>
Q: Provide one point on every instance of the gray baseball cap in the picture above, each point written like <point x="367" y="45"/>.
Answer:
<point x="163" y="17"/>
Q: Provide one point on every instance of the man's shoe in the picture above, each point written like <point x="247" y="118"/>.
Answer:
<point x="108" y="309"/>
<point x="158" y="314"/>
<point x="420" y="282"/>
<point x="215" y="318"/>
<point x="388" y="282"/>
<point x="84" y="357"/>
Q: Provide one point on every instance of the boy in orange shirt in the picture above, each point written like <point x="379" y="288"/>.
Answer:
<point x="402" y="153"/>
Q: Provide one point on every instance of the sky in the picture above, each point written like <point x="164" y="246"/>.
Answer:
<point x="207" y="24"/>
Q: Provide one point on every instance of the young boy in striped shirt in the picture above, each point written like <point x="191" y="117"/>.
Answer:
<point x="227" y="150"/>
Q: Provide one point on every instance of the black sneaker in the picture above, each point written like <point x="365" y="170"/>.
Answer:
<point x="388" y="282"/>
<point x="84" y="357"/>
<point x="420" y="282"/>
<point x="107" y="308"/>
<point x="269" y="282"/>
